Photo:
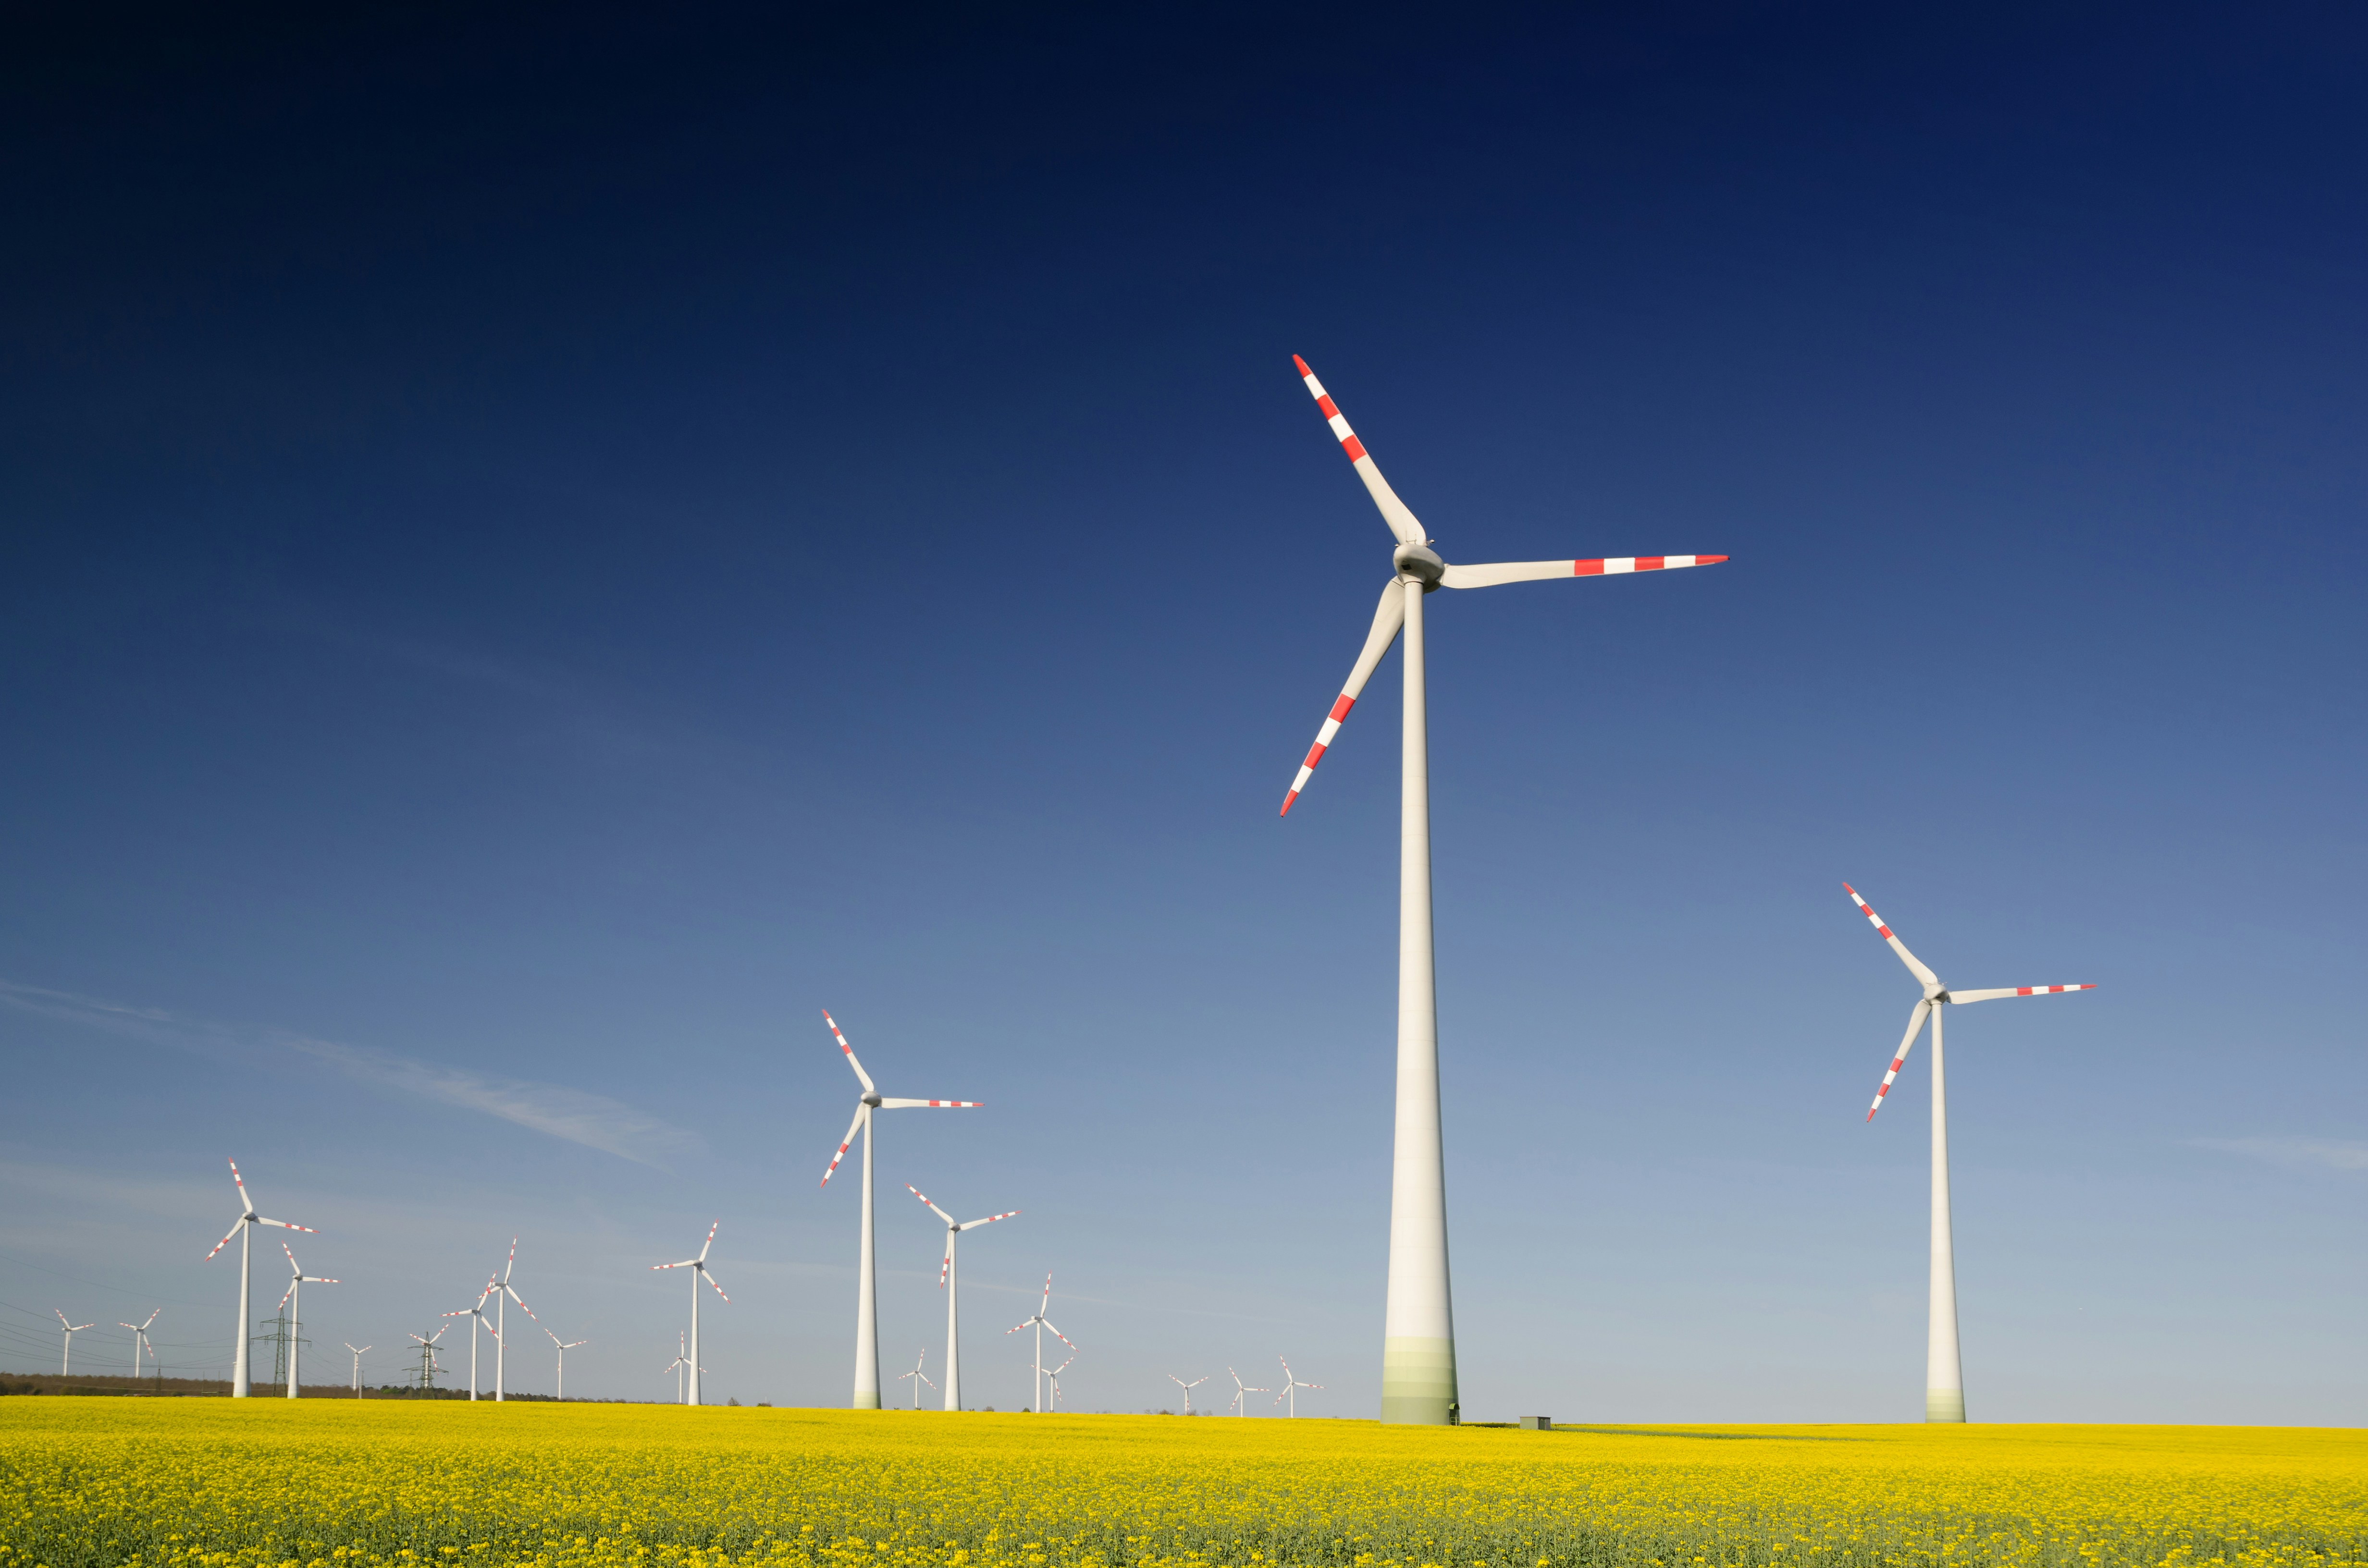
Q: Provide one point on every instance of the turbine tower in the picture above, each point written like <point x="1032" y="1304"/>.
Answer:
<point x="66" y="1365"/>
<point x="503" y="1297"/>
<point x="1180" y="1383"/>
<point x="245" y="1230"/>
<point x="476" y="1316"/>
<point x="139" y="1341"/>
<point x="1419" y="1322"/>
<point x="681" y="1359"/>
<point x="950" y="1282"/>
<point x="1041" y="1322"/>
<point x="920" y="1377"/>
<point x="867" y="1289"/>
<point x="1290" y="1387"/>
<point x="1242" y="1392"/>
<point x="698" y="1267"/>
<point x="560" y="1388"/>
<point x="297" y="1280"/>
<point x="357" y="1350"/>
<point x="1944" y="1372"/>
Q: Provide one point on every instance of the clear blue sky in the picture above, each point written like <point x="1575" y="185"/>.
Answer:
<point x="543" y="553"/>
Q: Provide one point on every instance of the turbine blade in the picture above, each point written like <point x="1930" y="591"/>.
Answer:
<point x="1059" y="1336"/>
<point x="1014" y="1328"/>
<point x="244" y="1200"/>
<point x="1047" y="1301"/>
<point x="861" y="1076"/>
<point x="709" y="1242"/>
<point x="1393" y="511"/>
<point x="1914" y="965"/>
<point x="1490" y="575"/>
<point x="932" y="1105"/>
<point x="947" y="1266"/>
<point x="991" y="1218"/>
<point x="703" y="1274"/>
<point x="847" y="1142"/>
<point x="2014" y="991"/>
<point x="226" y="1240"/>
<point x="1389" y="618"/>
<point x="286" y="1226"/>
<point x="287" y="1292"/>
<point x="1906" y="1042"/>
<point x="933" y="1208"/>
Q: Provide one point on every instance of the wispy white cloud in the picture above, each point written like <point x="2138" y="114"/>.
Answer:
<point x="576" y="1115"/>
<point x="2321" y="1153"/>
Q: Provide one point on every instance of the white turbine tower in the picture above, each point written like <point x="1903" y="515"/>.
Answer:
<point x="950" y="1282"/>
<point x="357" y="1350"/>
<point x="1290" y="1387"/>
<point x="244" y="1231"/>
<point x="503" y="1296"/>
<point x="1180" y="1383"/>
<point x="559" y="1389"/>
<point x="698" y="1267"/>
<point x="71" y="1329"/>
<point x="867" y="1309"/>
<point x="918" y="1376"/>
<point x="1053" y="1378"/>
<point x="1418" y="1380"/>
<point x="1041" y="1322"/>
<point x="139" y="1341"/>
<point x="1944" y="1372"/>
<point x="1242" y="1392"/>
<point x="476" y="1316"/>
<point x="297" y="1280"/>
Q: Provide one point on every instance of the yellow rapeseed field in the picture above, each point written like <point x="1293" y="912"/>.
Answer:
<point x="322" y="1484"/>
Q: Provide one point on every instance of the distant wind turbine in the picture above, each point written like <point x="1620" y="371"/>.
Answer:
<point x="951" y="1283"/>
<point x="918" y="1376"/>
<point x="560" y="1388"/>
<point x="1242" y="1392"/>
<point x="1290" y="1387"/>
<point x="139" y="1341"/>
<point x="1041" y="1322"/>
<point x="1944" y="1373"/>
<point x="292" y="1299"/>
<point x="1188" y="1388"/>
<point x="1053" y="1379"/>
<point x="503" y="1296"/>
<point x="681" y="1359"/>
<point x="357" y="1350"/>
<point x="71" y="1329"/>
<point x="245" y="1230"/>
<point x="476" y="1316"/>
<point x="698" y="1267"/>
<point x="867" y="1308"/>
<point x="428" y="1365"/>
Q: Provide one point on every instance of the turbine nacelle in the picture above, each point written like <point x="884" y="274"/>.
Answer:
<point x="1420" y="564"/>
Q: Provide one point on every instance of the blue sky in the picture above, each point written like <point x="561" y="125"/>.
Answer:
<point x="546" y="553"/>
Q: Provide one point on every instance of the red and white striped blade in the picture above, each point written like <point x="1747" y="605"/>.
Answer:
<point x="2014" y="991"/>
<point x="709" y="1278"/>
<point x="1389" y="619"/>
<point x="947" y="1266"/>
<point x="226" y="1240"/>
<point x="1914" y="965"/>
<point x="1489" y="576"/>
<point x="244" y="1200"/>
<point x="1059" y="1336"/>
<point x="991" y="1218"/>
<point x="847" y="1142"/>
<point x="933" y="1208"/>
<point x="852" y="1061"/>
<point x="287" y="1292"/>
<point x="932" y="1105"/>
<point x="1047" y="1301"/>
<point x="286" y="1225"/>
<point x="1906" y="1042"/>
<point x="709" y="1242"/>
<point x="1393" y="511"/>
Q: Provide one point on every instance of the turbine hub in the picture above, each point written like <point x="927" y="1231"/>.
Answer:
<point x="1418" y="561"/>
<point x="871" y="1099"/>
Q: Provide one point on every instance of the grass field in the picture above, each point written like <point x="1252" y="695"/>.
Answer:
<point x="273" y="1483"/>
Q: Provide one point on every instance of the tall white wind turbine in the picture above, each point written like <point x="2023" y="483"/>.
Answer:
<point x="698" y="1271"/>
<point x="918" y="1376"/>
<point x="559" y="1389"/>
<point x="1180" y="1383"/>
<point x="245" y="1230"/>
<point x="476" y="1316"/>
<point x="1419" y="1382"/>
<point x="1290" y="1387"/>
<point x="950" y="1282"/>
<point x="1944" y="1372"/>
<point x="357" y="1350"/>
<point x="1242" y="1392"/>
<point x="293" y="1299"/>
<point x="139" y="1341"/>
<point x="503" y="1296"/>
<point x="65" y="1365"/>
<point x="1041" y="1322"/>
<point x="867" y="1306"/>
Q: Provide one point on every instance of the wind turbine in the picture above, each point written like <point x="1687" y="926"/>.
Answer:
<point x="1290" y="1387"/>
<point x="561" y="1389"/>
<point x="476" y="1316"/>
<point x="503" y="1297"/>
<point x="918" y="1374"/>
<point x="245" y="1230"/>
<point x="1041" y="1323"/>
<point x="357" y="1350"/>
<point x="1944" y="1372"/>
<point x="71" y="1329"/>
<point x="867" y="1311"/>
<point x="139" y="1340"/>
<point x="1242" y="1392"/>
<point x="698" y="1267"/>
<point x="1418" y="1382"/>
<point x="951" y="1283"/>
<point x="297" y="1280"/>
<point x="1180" y="1383"/>
<point x="428" y="1365"/>
<point x="681" y="1359"/>
<point x="1053" y="1378"/>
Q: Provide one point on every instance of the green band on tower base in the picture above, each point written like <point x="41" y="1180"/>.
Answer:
<point x="1944" y="1405"/>
<point x="1418" y="1382"/>
<point x="866" y="1402"/>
